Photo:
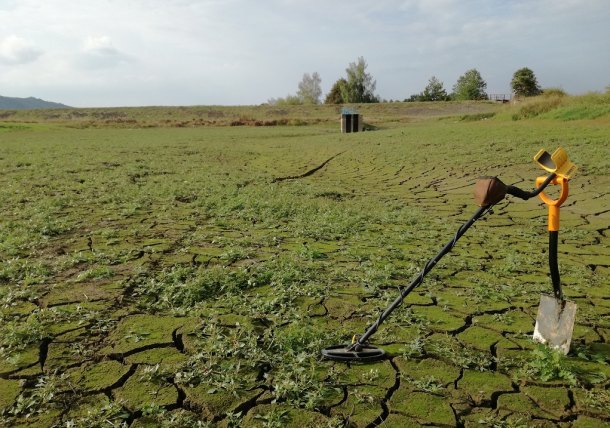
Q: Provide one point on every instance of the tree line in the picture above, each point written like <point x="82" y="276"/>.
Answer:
<point x="358" y="86"/>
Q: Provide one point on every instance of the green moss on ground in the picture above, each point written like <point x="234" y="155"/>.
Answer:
<point x="210" y="401"/>
<point x="95" y="377"/>
<point x="139" y="392"/>
<point x="9" y="391"/>
<point x="381" y="374"/>
<point x="426" y="369"/>
<point x="425" y="408"/>
<point x="583" y="421"/>
<point x="479" y="386"/>
<point x="87" y="407"/>
<point x="45" y="419"/>
<point x="20" y="360"/>
<point x="163" y="356"/>
<point x="551" y="400"/>
<point x="396" y="420"/>
<point x="363" y="405"/>
<point x="283" y="415"/>
<point x="480" y="338"/>
<point x="512" y="322"/>
<point x="139" y="331"/>
<point x="522" y="405"/>
<point x="439" y="320"/>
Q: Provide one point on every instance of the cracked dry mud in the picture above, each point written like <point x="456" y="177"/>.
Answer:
<point x="203" y="285"/>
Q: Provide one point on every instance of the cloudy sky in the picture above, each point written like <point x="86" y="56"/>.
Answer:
<point x="188" y="52"/>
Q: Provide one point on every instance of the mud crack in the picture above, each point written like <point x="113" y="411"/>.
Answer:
<point x="308" y="173"/>
<point x="385" y="411"/>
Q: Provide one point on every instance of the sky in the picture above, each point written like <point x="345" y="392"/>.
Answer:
<point x="100" y="53"/>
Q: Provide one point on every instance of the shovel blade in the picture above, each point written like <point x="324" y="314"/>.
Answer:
<point x="555" y="322"/>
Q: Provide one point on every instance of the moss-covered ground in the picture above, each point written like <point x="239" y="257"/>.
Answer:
<point x="185" y="276"/>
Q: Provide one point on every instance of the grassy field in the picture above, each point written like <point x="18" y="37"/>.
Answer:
<point x="160" y="267"/>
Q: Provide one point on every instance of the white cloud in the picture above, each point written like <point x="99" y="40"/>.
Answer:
<point x="15" y="50"/>
<point x="100" y="45"/>
<point x="239" y="51"/>
<point x="99" y="52"/>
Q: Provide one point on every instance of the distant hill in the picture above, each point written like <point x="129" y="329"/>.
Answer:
<point x="9" y="103"/>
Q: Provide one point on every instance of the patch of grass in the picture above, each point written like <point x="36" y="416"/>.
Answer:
<point x="547" y="365"/>
<point x="536" y="106"/>
<point x="476" y="117"/>
<point x="16" y="335"/>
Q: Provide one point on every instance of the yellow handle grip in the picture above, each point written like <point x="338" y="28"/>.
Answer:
<point x="554" y="204"/>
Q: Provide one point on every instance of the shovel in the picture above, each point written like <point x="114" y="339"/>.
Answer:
<point x="555" y="318"/>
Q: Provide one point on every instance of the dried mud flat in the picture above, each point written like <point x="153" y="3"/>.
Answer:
<point x="191" y="277"/>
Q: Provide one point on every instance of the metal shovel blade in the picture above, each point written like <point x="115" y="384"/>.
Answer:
<point x="555" y="322"/>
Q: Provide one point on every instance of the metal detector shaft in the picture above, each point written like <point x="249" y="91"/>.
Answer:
<point x="419" y="279"/>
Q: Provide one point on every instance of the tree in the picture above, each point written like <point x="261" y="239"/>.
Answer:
<point x="335" y="96"/>
<point x="360" y="86"/>
<point x="309" y="89"/>
<point x="524" y="83"/>
<point x="470" y="86"/>
<point x="434" y="91"/>
<point x="309" y="92"/>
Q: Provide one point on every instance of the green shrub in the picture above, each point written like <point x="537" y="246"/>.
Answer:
<point x="537" y="106"/>
<point x="553" y="92"/>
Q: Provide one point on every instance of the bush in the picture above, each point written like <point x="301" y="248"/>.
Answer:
<point x="554" y="92"/>
<point x="536" y="106"/>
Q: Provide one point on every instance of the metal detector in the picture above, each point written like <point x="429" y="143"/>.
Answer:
<point x="488" y="192"/>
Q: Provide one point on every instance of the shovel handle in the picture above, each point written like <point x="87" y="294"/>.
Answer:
<point x="554" y="204"/>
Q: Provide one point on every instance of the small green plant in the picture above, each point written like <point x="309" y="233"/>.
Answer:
<point x="276" y="418"/>
<point x="309" y="253"/>
<point x="598" y="399"/>
<point x="297" y="338"/>
<point x="98" y="272"/>
<point x="414" y="348"/>
<point x="504" y="318"/>
<point x="154" y="375"/>
<point x="547" y="364"/>
<point x="153" y="410"/>
<point x="16" y="335"/>
<point x="24" y="271"/>
<point x="233" y="419"/>
<point x="39" y="399"/>
<point x="495" y="422"/>
<point x="136" y="336"/>
<point x="429" y="384"/>
<point x="462" y="356"/>
<point x="370" y="376"/>
<point x="588" y="354"/>
<point x="111" y="415"/>
<point x="296" y="383"/>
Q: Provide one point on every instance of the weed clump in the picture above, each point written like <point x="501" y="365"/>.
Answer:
<point x="549" y="365"/>
<point x="537" y="106"/>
